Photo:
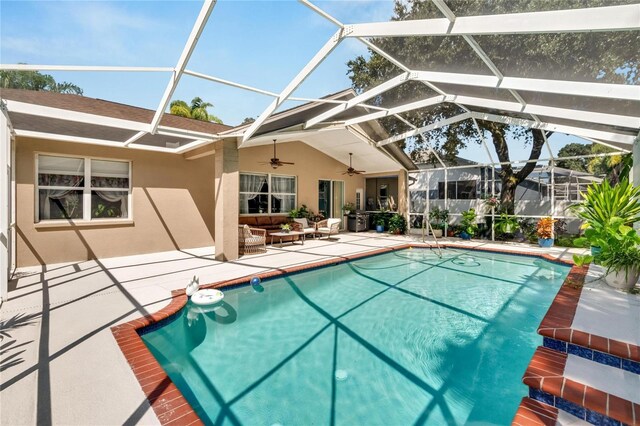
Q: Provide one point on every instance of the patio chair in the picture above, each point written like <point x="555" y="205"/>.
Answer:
<point x="328" y="227"/>
<point x="306" y="226"/>
<point x="252" y="240"/>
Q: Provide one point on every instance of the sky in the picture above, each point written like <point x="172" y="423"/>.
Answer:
<point x="258" y="43"/>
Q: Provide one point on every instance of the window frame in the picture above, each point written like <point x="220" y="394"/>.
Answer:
<point x="86" y="190"/>
<point x="269" y="193"/>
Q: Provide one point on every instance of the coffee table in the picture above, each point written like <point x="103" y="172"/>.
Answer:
<point x="287" y="234"/>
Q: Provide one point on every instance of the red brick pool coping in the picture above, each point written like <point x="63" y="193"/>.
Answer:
<point x="535" y="413"/>
<point x="172" y="408"/>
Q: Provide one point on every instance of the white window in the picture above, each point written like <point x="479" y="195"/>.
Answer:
<point x="82" y="188"/>
<point x="267" y="193"/>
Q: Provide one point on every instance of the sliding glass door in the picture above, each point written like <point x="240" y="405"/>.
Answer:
<point x="330" y="198"/>
<point x="337" y="189"/>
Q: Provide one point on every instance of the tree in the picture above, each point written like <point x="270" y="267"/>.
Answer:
<point x="574" y="56"/>
<point x="197" y="110"/>
<point x="248" y="120"/>
<point x="35" y="80"/>
<point x="573" y="149"/>
<point x="598" y="166"/>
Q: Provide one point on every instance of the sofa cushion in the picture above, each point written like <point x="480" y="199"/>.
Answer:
<point x="247" y="220"/>
<point x="263" y="220"/>
<point x="279" y="220"/>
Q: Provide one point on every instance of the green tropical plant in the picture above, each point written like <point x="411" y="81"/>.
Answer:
<point x="301" y="212"/>
<point x="602" y="202"/>
<point x="397" y="224"/>
<point x="506" y="223"/>
<point x="468" y="222"/>
<point x="603" y="208"/>
<point x="380" y="219"/>
<point x="619" y="246"/>
<point x="197" y="110"/>
<point x="438" y="217"/>
<point x="582" y="260"/>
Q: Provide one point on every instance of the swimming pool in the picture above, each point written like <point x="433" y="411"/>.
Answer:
<point x="399" y="338"/>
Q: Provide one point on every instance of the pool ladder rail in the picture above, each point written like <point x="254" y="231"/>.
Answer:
<point x="432" y="234"/>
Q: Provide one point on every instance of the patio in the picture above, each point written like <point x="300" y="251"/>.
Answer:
<point x="59" y="317"/>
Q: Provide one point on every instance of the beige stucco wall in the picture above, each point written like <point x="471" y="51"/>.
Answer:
<point x="310" y="166"/>
<point x="173" y="199"/>
<point x="172" y="207"/>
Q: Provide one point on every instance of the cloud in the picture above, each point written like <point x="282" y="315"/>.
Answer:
<point x="100" y="18"/>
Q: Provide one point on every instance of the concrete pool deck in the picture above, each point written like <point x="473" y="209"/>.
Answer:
<point x="60" y="362"/>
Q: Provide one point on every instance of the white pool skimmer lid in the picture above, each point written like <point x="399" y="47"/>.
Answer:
<point x="207" y="296"/>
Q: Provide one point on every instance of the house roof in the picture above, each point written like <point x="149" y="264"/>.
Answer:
<point x="75" y="118"/>
<point x="108" y="109"/>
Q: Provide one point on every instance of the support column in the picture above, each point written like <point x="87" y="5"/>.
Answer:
<point x="6" y="189"/>
<point x="636" y="168"/>
<point x="227" y="189"/>
<point x="636" y="161"/>
<point x="403" y="194"/>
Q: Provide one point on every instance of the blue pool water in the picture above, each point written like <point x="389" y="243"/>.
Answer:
<point x="396" y="339"/>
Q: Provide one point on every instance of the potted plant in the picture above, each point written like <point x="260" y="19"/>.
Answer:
<point x="468" y="224"/>
<point x="348" y="208"/>
<point x="623" y="266"/>
<point x="301" y="212"/>
<point x="545" y="232"/>
<point x="397" y="224"/>
<point x="286" y="228"/>
<point x="620" y="254"/>
<point x="506" y="223"/>
<point x="438" y="218"/>
<point x="379" y="221"/>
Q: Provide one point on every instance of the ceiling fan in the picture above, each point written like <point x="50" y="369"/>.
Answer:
<point x="275" y="161"/>
<point x="351" y="171"/>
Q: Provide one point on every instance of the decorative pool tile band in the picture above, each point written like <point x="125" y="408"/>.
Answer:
<point x="592" y="355"/>
<point x="164" y="397"/>
<point x="576" y="410"/>
<point x="547" y="384"/>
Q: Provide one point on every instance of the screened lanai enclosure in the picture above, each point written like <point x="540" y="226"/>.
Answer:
<point x="502" y="84"/>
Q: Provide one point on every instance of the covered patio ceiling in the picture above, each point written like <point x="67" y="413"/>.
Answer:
<point x="483" y="89"/>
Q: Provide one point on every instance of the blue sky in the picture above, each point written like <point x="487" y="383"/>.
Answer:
<point x="258" y="43"/>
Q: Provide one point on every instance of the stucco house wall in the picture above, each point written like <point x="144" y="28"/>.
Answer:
<point x="172" y="207"/>
<point x="310" y="166"/>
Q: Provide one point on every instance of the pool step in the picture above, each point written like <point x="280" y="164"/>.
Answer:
<point x="535" y="413"/>
<point x="560" y="333"/>
<point x="594" y="392"/>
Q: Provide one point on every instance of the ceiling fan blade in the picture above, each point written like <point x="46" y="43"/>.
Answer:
<point x="360" y="171"/>
<point x="285" y="162"/>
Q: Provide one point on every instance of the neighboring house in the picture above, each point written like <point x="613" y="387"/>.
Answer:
<point x="89" y="182"/>
<point x="468" y="187"/>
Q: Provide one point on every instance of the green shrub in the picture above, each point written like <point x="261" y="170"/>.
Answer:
<point x="397" y="224"/>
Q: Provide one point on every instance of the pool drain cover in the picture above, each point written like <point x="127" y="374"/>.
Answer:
<point x="341" y="375"/>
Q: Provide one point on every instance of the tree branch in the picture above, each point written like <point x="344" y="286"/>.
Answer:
<point x="536" y="149"/>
